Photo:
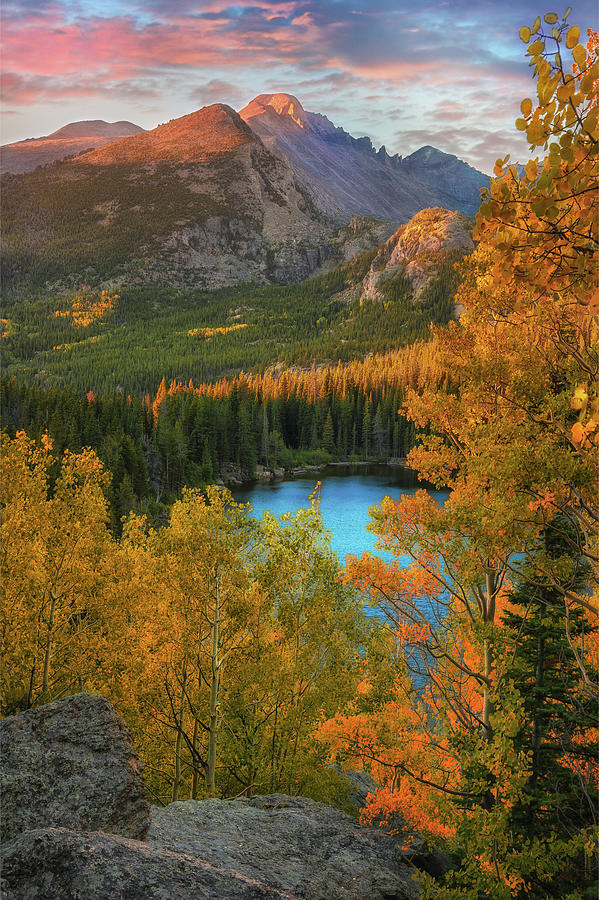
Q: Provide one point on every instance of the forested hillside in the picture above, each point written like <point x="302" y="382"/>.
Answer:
<point x="129" y="339"/>
<point x="186" y="435"/>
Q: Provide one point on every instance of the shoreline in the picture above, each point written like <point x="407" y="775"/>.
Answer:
<point x="235" y="479"/>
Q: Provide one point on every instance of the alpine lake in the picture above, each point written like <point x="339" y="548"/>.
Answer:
<point x="347" y="491"/>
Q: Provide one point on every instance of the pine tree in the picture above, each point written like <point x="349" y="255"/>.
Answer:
<point x="559" y="722"/>
<point x="328" y="435"/>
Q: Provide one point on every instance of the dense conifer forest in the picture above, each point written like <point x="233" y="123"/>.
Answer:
<point x="128" y="339"/>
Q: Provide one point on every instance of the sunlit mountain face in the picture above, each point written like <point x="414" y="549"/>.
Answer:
<point x="358" y="178"/>
<point x="70" y="140"/>
<point x="216" y="197"/>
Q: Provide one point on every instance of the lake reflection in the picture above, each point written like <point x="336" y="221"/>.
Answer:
<point x="347" y="493"/>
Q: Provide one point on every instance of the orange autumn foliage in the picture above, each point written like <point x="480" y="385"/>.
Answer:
<point x="87" y="308"/>
<point x="373" y="376"/>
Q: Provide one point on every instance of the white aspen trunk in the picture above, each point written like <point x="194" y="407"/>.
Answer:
<point x="49" y="644"/>
<point x="214" y="694"/>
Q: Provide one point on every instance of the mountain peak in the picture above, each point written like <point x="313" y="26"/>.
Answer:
<point x="207" y="132"/>
<point x="95" y="128"/>
<point x="281" y="104"/>
<point x="430" y="156"/>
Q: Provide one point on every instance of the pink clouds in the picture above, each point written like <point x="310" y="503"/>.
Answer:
<point x="120" y="47"/>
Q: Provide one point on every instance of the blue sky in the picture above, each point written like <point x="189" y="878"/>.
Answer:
<point x="451" y="74"/>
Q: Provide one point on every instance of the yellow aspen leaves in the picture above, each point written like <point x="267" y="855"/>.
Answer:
<point x="565" y="91"/>
<point x="579" y="54"/>
<point x="526" y="107"/>
<point x="580" y="398"/>
<point x="536" y="48"/>
<point x="531" y="170"/>
<point x="572" y="37"/>
<point x="525" y="34"/>
<point x="551" y="18"/>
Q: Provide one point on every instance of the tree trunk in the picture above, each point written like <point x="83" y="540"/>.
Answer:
<point x="489" y="618"/>
<point x="487" y="707"/>
<point x="214" y="695"/>
<point x="179" y="738"/>
<point x="195" y="777"/>
<point x="48" y="653"/>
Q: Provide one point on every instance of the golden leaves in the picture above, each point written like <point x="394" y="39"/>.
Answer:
<point x="208" y="333"/>
<point x="86" y="309"/>
<point x="531" y="170"/>
<point x="526" y="107"/>
<point x="572" y="37"/>
<point x="579" y="54"/>
<point x="536" y="48"/>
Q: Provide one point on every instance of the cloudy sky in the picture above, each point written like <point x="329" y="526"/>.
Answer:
<point x="451" y="74"/>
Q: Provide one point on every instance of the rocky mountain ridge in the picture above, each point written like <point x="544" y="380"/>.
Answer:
<point x="416" y="250"/>
<point x="355" y="177"/>
<point x="214" y="199"/>
<point x="77" y="825"/>
<point x="210" y="132"/>
<point x="199" y="201"/>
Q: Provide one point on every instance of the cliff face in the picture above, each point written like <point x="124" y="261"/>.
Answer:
<point x="80" y="844"/>
<point x="417" y="250"/>
<point x="356" y="178"/>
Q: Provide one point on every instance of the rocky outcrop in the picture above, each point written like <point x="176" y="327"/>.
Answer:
<point x="362" y="784"/>
<point x="74" y="817"/>
<point x="71" y="764"/>
<point x="57" y="864"/>
<point x="416" y="251"/>
<point x="291" y="844"/>
<point x="288" y="848"/>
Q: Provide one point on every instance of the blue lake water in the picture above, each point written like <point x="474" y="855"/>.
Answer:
<point x="346" y="495"/>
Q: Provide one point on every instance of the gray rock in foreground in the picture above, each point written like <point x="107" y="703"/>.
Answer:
<point x="291" y="844"/>
<point x="57" y="864"/>
<point x="71" y="764"/>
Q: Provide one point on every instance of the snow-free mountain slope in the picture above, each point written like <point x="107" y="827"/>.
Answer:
<point x="209" y="132"/>
<point x="71" y="139"/>
<point x="357" y="178"/>
<point x="418" y="251"/>
<point x="198" y="201"/>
